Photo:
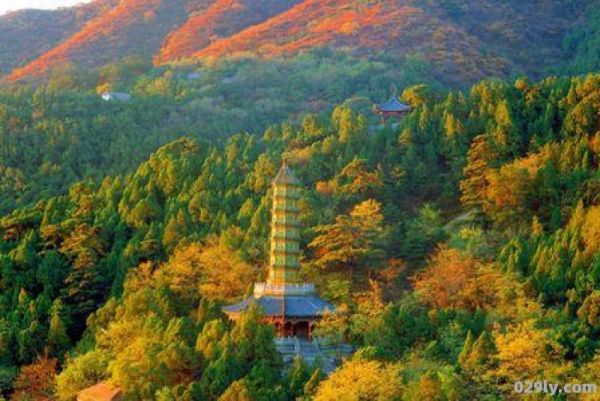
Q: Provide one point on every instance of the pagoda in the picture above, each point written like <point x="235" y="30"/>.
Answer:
<point x="287" y="303"/>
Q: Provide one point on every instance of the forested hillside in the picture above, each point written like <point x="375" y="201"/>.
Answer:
<point x="221" y="19"/>
<point x="122" y="279"/>
<point x="459" y="245"/>
<point x="63" y="132"/>
<point x="582" y="43"/>
<point x="464" y="41"/>
<point x="20" y="31"/>
<point x="131" y="27"/>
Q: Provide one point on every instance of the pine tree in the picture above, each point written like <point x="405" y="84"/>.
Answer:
<point x="58" y="340"/>
<point x="483" y="349"/>
<point x="237" y="391"/>
<point x="479" y="159"/>
<point x="465" y="353"/>
<point x="297" y="377"/>
<point x="430" y="388"/>
<point x="310" y="388"/>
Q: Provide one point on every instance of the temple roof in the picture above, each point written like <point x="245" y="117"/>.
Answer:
<point x="100" y="392"/>
<point x="285" y="306"/>
<point x="393" y="105"/>
<point x="286" y="176"/>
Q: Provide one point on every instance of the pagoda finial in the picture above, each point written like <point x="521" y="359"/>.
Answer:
<point x="285" y="176"/>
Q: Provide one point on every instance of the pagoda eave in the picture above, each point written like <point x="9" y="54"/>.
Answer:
<point x="304" y="307"/>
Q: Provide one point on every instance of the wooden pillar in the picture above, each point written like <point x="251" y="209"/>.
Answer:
<point x="288" y="329"/>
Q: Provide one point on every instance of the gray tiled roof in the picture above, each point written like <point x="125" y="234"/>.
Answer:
<point x="286" y="306"/>
<point x="393" y="105"/>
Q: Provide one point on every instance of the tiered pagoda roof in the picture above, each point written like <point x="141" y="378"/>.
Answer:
<point x="284" y="295"/>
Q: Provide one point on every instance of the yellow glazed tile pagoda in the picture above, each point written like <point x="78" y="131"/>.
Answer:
<point x="289" y="304"/>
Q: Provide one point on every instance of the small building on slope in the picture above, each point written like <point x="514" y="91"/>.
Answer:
<point x="120" y="96"/>
<point x="391" y="109"/>
<point x="101" y="392"/>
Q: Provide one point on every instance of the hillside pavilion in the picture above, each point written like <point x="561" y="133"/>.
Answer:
<point x="391" y="108"/>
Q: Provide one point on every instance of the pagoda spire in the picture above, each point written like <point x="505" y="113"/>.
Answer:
<point x="284" y="263"/>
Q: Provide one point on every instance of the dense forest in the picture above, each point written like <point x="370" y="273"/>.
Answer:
<point x="460" y="245"/>
<point x="60" y="132"/>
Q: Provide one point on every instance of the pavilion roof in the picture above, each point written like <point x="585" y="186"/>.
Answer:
<point x="393" y="105"/>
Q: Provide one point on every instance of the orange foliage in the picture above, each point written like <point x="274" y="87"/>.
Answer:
<point x="509" y="189"/>
<point x="117" y="22"/>
<point x="314" y="23"/>
<point x="36" y="381"/>
<point x="197" y="32"/>
<point x="27" y="34"/>
<point x="595" y="143"/>
<point x="213" y="270"/>
<point x="591" y="231"/>
<point x="528" y="351"/>
<point x="455" y="280"/>
<point x="222" y="18"/>
<point x="179" y="29"/>
<point x="394" y="25"/>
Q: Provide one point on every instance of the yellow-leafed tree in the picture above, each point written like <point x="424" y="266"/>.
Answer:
<point x="362" y="380"/>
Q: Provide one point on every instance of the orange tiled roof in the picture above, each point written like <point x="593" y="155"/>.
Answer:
<point x="100" y="392"/>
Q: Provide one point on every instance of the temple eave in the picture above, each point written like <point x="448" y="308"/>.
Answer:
<point x="286" y="306"/>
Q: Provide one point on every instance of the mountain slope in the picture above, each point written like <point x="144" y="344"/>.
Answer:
<point x="582" y="44"/>
<point x="464" y="41"/>
<point x="390" y="25"/>
<point x="20" y="31"/>
<point x="222" y="18"/>
<point x="132" y="27"/>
